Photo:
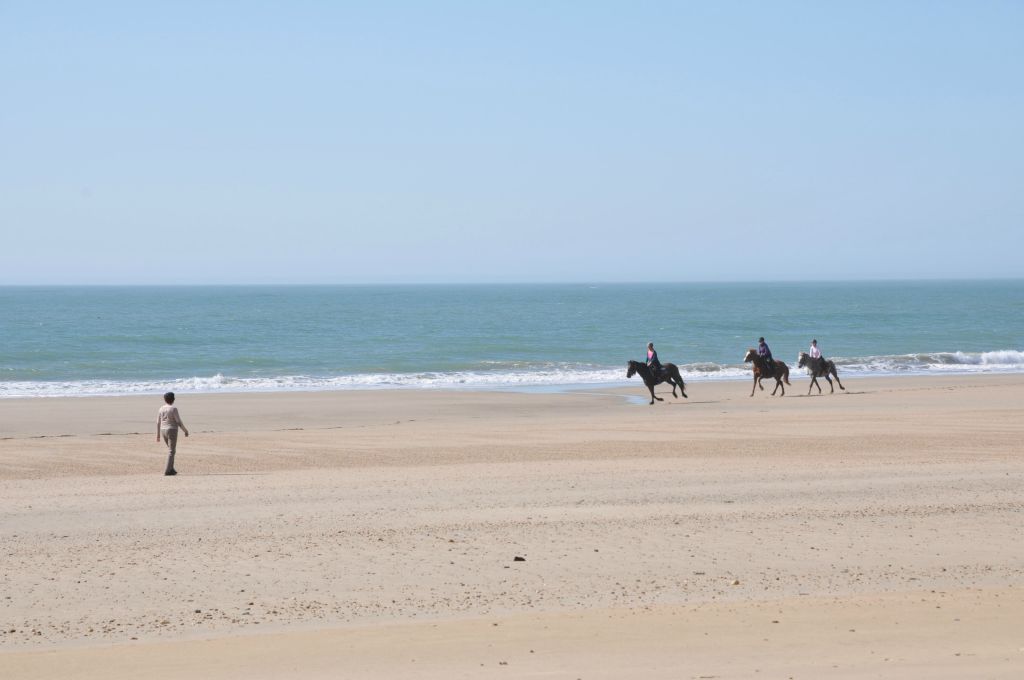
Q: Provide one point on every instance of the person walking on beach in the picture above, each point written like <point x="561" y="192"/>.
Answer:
<point x="765" y="352"/>
<point x="167" y="423"/>
<point x="652" y="359"/>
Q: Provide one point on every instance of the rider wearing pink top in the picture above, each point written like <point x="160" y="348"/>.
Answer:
<point x="652" y="357"/>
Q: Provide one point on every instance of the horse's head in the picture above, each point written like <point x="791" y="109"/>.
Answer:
<point x="803" y="359"/>
<point x="630" y="369"/>
<point x="751" y="353"/>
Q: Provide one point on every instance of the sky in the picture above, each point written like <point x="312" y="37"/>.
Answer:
<point x="429" y="142"/>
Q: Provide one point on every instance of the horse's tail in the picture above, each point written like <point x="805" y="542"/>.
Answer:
<point x="835" y="372"/>
<point x="785" y="376"/>
<point x="679" y="378"/>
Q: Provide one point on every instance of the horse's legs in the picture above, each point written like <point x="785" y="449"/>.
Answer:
<point x="830" y="386"/>
<point x="757" y="381"/>
<point x="682" y="386"/>
<point x="754" y="387"/>
<point x="651" y="388"/>
<point x="676" y="380"/>
<point x="814" y="383"/>
<point x="835" y="374"/>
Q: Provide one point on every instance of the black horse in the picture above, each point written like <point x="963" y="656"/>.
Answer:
<point x="669" y="373"/>
<point x="819" y="368"/>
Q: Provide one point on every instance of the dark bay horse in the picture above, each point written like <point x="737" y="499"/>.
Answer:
<point x="669" y="374"/>
<point x="819" y="368"/>
<point x="761" y="370"/>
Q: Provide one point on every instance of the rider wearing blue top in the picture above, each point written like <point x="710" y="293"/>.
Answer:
<point x="765" y="353"/>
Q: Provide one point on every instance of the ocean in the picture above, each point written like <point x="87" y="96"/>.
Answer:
<point x="79" y="341"/>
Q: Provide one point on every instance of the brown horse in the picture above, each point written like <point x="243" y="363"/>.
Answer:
<point x="669" y="374"/>
<point x="819" y="368"/>
<point x="780" y="372"/>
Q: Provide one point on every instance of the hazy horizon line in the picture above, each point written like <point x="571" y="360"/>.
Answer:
<point x="356" y="284"/>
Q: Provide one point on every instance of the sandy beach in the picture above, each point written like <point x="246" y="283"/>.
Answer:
<point x="876" y="532"/>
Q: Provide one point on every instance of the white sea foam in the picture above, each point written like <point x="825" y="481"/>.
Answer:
<point x="300" y="383"/>
<point x="1001" y="361"/>
<point x="537" y="377"/>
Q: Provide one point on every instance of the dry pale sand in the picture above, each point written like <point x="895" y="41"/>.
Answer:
<point x="876" y="532"/>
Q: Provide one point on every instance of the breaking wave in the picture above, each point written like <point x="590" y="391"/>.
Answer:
<point x="540" y="377"/>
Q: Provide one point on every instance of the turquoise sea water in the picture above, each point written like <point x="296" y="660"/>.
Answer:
<point x="124" y="340"/>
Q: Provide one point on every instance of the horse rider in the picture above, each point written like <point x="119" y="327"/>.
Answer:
<point x="815" y="354"/>
<point x="765" y="353"/>
<point x="652" y="360"/>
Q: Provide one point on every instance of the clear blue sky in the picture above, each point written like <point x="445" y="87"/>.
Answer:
<point x="331" y="142"/>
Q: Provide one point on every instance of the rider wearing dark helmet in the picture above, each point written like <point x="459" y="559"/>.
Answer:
<point x="817" y="360"/>
<point x="765" y="353"/>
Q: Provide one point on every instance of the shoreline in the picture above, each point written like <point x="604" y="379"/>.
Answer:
<point x="323" y="531"/>
<point x="429" y="381"/>
<point x="126" y="414"/>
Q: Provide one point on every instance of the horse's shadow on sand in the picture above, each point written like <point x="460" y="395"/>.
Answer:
<point x="642" y="401"/>
<point x="826" y="396"/>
